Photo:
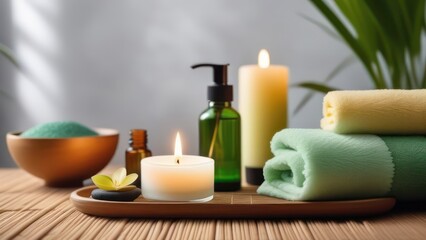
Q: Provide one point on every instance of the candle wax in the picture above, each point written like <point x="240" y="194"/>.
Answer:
<point x="263" y="109"/>
<point x="192" y="179"/>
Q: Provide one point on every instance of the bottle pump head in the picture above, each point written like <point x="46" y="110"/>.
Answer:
<point x="221" y="91"/>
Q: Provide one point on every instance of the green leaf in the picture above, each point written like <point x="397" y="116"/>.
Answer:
<point x="325" y="28"/>
<point x="5" y="51"/>
<point x="424" y="78"/>
<point x="319" y="87"/>
<point x="342" y="65"/>
<point x="340" y="27"/>
<point x="303" y="102"/>
<point x="386" y="35"/>
<point x="312" y="86"/>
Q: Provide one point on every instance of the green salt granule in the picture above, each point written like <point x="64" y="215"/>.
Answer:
<point x="59" y="130"/>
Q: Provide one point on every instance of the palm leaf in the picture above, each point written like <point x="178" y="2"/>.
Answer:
<point x="319" y="87"/>
<point x="5" y="51"/>
<point x="325" y="28"/>
<point x="348" y="37"/>
<point x="345" y="63"/>
<point x="9" y="56"/>
<point x="386" y="35"/>
<point x="390" y="37"/>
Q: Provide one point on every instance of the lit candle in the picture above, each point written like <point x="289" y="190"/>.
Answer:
<point x="178" y="178"/>
<point x="263" y="109"/>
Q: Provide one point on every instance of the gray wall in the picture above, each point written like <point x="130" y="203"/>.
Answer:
<point x="126" y="64"/>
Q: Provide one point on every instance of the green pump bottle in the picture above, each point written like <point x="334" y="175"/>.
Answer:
<point x="220" y="131"/>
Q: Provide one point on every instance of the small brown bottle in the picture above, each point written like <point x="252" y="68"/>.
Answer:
<point x="136" y="152"/>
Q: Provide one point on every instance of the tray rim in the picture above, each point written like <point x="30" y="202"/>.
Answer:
<point x="286" y="209"/>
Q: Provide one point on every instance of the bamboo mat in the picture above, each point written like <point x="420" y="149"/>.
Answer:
<point x="28" y="210"/>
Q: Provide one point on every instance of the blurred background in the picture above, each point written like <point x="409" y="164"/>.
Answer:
<point x="126" y="64"/>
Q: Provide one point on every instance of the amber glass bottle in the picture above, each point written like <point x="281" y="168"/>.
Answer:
<point x="137" y="150"/>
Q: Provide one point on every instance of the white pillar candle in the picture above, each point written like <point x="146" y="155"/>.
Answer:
<point x="263" y="109"/>
<point x="177" y="178"/>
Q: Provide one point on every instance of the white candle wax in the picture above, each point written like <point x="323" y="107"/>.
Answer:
<point x="263" y="109"/>
<point x="192" y="179"/>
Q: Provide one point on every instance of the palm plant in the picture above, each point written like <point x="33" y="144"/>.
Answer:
<point x="387" y="36"/>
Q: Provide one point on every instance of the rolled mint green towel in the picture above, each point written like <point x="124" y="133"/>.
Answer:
<point x="312" y="164"/>
<point x="59" y="130"/>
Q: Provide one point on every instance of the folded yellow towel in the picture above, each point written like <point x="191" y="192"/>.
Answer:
<point x="375" y="111"/>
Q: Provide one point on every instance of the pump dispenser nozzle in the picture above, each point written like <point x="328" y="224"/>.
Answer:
<point x="221" y="91"/>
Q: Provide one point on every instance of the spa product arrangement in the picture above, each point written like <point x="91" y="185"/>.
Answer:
<point x="314" y="164"/>
<point x="348" y="168"/>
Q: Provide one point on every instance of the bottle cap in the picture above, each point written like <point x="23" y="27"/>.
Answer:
<point x="138" y="137"/>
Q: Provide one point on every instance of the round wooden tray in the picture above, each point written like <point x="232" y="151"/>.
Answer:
<point x="242" y="204"/>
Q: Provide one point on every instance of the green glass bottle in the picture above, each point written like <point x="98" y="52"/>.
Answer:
<point x="220" y="132"/>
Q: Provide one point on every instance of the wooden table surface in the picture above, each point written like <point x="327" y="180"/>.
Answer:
<point x="28" y="210"/>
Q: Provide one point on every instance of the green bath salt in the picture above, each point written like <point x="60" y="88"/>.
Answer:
<point x="59" y="130"/>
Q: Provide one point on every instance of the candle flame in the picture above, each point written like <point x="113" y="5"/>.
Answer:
<point x="178" y="148"/>
<point x="263" y="59"/>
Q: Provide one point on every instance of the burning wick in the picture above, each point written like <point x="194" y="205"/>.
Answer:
<point x="178" y="149"/>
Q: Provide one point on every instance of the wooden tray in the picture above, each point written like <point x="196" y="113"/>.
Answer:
<point x="242" y="204"/>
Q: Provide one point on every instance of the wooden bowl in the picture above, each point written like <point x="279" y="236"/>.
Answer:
<point x="63" y="162"/>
